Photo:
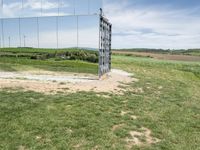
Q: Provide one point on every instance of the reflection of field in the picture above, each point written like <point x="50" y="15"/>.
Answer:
<point x="160" y="56"/>
<point x="67" y="60"/>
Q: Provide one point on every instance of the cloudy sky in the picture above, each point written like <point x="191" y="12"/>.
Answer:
<point x="165" y="24"/>
<point x="154" y="23"/>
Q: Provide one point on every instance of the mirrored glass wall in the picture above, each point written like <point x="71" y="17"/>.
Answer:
<point x="36" y="8"/>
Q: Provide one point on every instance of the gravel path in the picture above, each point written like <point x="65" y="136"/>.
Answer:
<point x="57" y="78"/>
<point x="54" y="82"/>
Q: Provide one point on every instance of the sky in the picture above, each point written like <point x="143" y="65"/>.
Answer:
<point x="167" y="24"/>
<point x="173" y="24"/>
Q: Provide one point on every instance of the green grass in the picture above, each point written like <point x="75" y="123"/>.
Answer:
<point x="84" y="120"/>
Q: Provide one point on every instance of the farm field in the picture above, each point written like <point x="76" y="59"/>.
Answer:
<point x="165" y="56"/>
<point x="159" y="110"/>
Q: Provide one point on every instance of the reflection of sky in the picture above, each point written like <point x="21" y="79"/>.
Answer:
<point x="67" y="32"/>
<point x="16" y="8"/>
<point x="27" y="34"/>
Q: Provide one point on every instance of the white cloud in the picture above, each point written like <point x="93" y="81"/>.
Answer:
<point x="154" y="27"/>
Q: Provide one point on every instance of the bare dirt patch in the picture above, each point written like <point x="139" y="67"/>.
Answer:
<point x="124" y="113"/>
<point x="103" y="96"/>
<point x="118" y="126"/>
<point x="21" y="147"/>
<point x="142" y="138"/>
<point x="133" y="117"/>
<point x="51" y="82"/>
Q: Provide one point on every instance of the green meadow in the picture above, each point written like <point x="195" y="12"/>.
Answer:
<point x="168" y="104"/>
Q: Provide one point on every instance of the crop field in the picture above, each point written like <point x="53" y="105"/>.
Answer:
<point x="193" y="56"/>
<point x="158" y="108"/>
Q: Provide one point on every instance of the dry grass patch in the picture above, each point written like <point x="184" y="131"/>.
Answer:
<point x="21" y="147"/>
<point x="142" y="138"/>
<point x="118" y="126"/>
<point x="123" y="113"/>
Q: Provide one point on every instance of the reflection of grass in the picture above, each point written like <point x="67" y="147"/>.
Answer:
<point x="69" y="60"/>
<point x="38" y="50"/>
<point x="43" y="54"/>
<point x="85" y="120"/>
<point x="14" y="64"/>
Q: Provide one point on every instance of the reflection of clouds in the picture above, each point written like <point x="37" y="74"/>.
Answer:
<point x="48" y="7"/>
<point x="36" y="4"/>
<point x="48" y="39"/>
<point x="32" y="8"/>
<point x="14" y="9"/>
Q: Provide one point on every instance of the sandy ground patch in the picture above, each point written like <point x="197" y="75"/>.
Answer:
<point x="52" y="82"/>
<point x="124" y="113"/>
<point x="134" y="117"/>
<point x="115" y="127"/>
<point x="142" y="138"/>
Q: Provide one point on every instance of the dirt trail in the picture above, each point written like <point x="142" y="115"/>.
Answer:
<point x="51" y="82"/>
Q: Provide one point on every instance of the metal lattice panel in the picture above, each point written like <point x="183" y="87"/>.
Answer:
<point x="105" y="46"/>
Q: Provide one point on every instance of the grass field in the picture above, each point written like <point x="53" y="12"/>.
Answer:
<point x="193" y="57"/>
<point x="187" y="52"/>
<point x="166" y="100"/>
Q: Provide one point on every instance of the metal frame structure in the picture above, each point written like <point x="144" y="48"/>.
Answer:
<point x="105" y="32"/>
<point x="105" y="37"/>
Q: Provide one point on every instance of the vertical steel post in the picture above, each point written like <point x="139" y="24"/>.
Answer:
<point x="2" y="23"/>
<point x="41" y="9"/>
<point x="9" y="41"/>
<point x="57" y="31"/>
<point x="24" y="41"/>
<point x="38" y="33"/>
<point x="57" y="24"/>
<point x="110" y="38"/>
<point x="22" y="7"/>
<point x="100" y="44"/>
<point x="74" y="3"/>
<point x="1" y="8"/>
<point x="77" y="21"/>
<point x="2" y="28"/>
<point x="20" y="32"/>
<point x="88" y="7"/>
<point x="58" y="7"/>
